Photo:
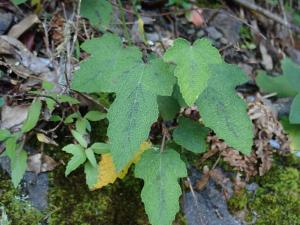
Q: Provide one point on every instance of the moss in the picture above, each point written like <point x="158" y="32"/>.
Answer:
<point x="277" y="200"/>
<point x="19" y="211"/>
<point x="238" y="201"/>
<point x="70" y="201"/>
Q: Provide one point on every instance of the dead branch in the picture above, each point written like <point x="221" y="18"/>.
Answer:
<point x="266" y="13"/>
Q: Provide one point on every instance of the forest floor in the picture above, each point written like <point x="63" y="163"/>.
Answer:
<point x="40" y="41"/>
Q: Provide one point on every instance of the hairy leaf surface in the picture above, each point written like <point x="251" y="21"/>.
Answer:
<point x="99" y="12"/>
<point x="224" y="111"/>
<point x="112" y="68"/>
<point x="192" y="66"/>
<point x="161" y="191"/>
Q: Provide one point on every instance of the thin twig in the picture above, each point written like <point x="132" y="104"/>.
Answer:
<point x="266" y="13"/>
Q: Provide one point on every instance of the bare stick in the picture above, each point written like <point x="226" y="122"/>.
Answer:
<point x="266" y="13"/>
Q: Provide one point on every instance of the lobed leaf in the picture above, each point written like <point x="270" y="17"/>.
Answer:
<point x="192" y="66"/>
<point x="136" y="85"/>
<point x="225" y="112"/>
<point x="161" y="191"/>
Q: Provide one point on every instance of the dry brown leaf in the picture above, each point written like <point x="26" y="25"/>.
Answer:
<point x="13" y="116"/>
<point x="40" y="163"/>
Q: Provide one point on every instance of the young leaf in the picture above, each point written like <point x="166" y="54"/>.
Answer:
<point x="18" y="167"/>
<point x="81" y="125"/>
<point x="68" y="99"/>
<point x="97" y="11"/>
<point x="100" y="148"/>
<point x="95" y="116"/>
<point x="191" y="135"/>
<point x="137" y="86"/>
<point x="225" y="112"/>
<point x="161" y="191"/>
<point x="78" y="158"/>
<point x="18" y="160"/>
<point x="4" y="134"/>
<point x="79" y="138"/>
<point x="295" y="110"/>
<point x="168" y="107"/>
<point x="33" y="116"/>
<point x="50" y="104"/>
<point x="91" y="174"/>
<point x="70" y="118"/>
<point x="91" y="156"/>
<point x="293" y="132"/>
<point x="107" y="169"/>
<point x="192" y="66"/>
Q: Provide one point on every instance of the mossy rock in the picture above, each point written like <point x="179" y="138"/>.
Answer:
<point x="277" y="200"/>
<point x="19" y="211"/>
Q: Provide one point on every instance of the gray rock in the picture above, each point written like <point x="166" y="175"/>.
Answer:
<point x="6" y="20"/>
<point x="224" y="22"/>
<point x="207" y="206"/>
<point x="35" y="186"/>
<point x="213" y="33"/>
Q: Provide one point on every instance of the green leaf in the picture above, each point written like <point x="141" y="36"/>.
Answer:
<point x="161" y="191"/>
<point x="47" y="85"/>
<point x="68" y="99"/>
<point x="70" y="118"/>
<point x="295" y="110"/>
<point x="137" y="86"/>
<point x="50" y="104"/>
<point x="81" y="125"/>
<point x="293" y="131"/>
<point x="98" y="12"/>
<point x="18" y="2"/>
<point x="168" y="107"/>
<point x="18" y="159"/>
<point x="18" y="166"/>
<point x="100" y="148"/>
<point x="4" y="134"/>
<point x="292" y="71"/>
<point x="225" y="112"/>
<point x="95" y="116"/>
<point x="191" y="135"/>
<point x="192" y="66"/>
<point x="33" y="116"/>
<point x="78" y="136"/>
<point x="91" y="174"/>
<point x="280" y="85"/>
<point x="1" y="102"/>
<point x="285" y="85"/>
<point x="78" y="158"/>
<point x="91" y="156"/>
<point x="95" y="75"/>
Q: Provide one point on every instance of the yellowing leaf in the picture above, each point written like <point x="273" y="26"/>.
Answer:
<point x="107" y="170"/>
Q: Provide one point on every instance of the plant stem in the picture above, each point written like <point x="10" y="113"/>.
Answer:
<point x="126" y="32"/>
